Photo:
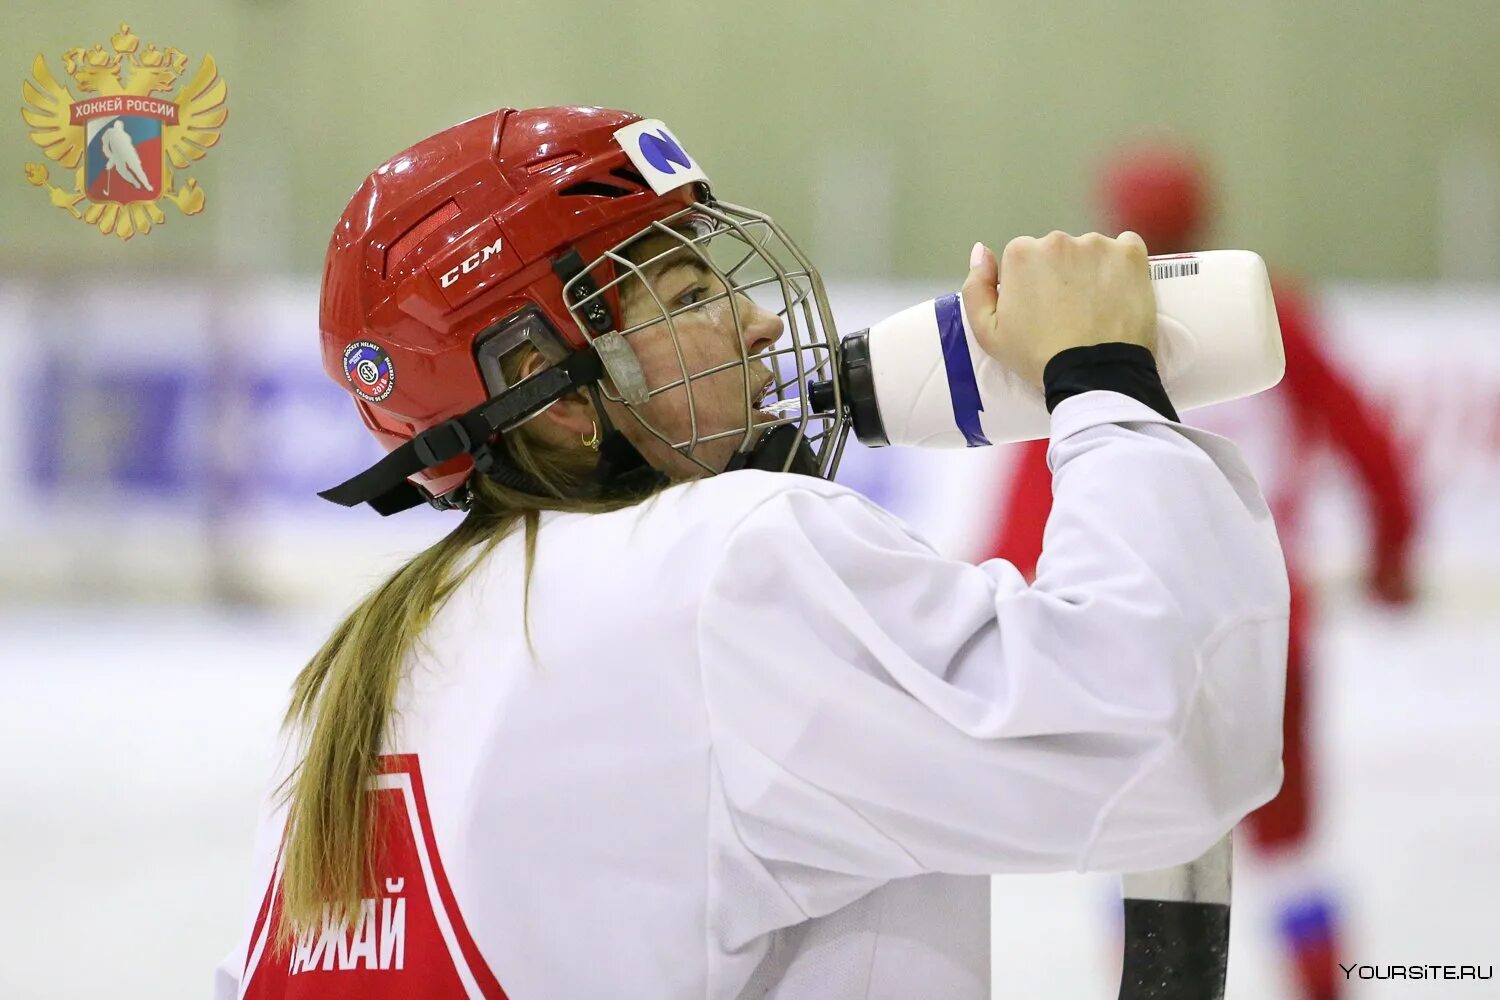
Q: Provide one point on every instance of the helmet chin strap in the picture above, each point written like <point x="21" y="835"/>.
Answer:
<point x="622" y="470"/>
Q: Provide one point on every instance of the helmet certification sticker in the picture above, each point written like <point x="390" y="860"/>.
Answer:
<point x="369" y="370"/>
<point x="658" y="155"/>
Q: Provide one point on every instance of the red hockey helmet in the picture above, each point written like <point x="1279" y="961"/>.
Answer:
<point x="1159" y="189"/>
<point x="507" y="229"/>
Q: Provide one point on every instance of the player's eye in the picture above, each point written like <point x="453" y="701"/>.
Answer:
<point x="693" y="295"/>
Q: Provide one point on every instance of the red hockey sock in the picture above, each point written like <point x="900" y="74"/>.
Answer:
<point x="1309" y="933"/>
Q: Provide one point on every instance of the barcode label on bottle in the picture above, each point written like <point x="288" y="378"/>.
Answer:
<point x="1173" y="269"/>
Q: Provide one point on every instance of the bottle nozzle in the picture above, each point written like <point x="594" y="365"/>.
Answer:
<point x="821" y="396"/>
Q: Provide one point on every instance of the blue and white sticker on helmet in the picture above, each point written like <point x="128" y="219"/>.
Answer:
<point x="658" y="155"/>
<point x="369" y="370"/>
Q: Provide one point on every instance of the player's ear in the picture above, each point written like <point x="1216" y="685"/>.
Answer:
<point x="572" y="414"/>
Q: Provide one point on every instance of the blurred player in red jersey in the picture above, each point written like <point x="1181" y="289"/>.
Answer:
<point x="1162" y="191"/>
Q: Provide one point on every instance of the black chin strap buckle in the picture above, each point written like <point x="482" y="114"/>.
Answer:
<point x="442" y="443"/>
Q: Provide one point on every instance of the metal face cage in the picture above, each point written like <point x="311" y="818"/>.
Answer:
<point x="756" y="270"/>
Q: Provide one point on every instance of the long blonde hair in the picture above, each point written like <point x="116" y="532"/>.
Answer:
<point x="343" y="699"/>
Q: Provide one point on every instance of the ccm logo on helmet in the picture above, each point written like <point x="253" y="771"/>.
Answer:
<point x="470" y="263"/>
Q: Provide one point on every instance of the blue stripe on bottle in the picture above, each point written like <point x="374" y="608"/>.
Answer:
<point x="963" y="387"/>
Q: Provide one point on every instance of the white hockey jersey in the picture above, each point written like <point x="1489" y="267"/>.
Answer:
<point x="770" y="743"/>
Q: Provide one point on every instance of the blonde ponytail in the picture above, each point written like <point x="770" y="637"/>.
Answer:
<point x="342" y="700"/>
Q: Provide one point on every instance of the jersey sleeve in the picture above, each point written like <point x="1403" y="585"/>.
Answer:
<point x="227" y="975"/>
<point x="880" y="711"/>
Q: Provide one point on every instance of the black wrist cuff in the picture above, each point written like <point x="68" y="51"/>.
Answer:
<point x="1125" y="368"/>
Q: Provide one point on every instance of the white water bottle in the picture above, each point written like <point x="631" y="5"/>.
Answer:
<point x="919" y="377"/>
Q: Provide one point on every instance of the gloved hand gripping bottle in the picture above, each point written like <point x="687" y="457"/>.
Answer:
<point x="919" y="378"/>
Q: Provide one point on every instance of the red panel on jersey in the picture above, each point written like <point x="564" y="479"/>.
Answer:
<point x="408" y="941"/>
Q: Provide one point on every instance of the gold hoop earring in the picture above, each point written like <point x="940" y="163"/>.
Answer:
<point x="592" y="441"/>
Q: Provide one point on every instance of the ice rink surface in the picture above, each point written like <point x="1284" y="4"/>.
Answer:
<point x="136" y="743"/>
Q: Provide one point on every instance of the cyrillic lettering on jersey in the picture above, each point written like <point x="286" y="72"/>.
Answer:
<point x="407" y="941"/>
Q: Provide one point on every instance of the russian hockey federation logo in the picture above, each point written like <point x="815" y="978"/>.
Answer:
<point x="124" y="145"/>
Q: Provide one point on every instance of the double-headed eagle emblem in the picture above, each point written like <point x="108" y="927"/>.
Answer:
<point x="124" y="143"/>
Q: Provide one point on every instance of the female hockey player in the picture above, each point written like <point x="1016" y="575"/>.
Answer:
<point x="669" y="714"/>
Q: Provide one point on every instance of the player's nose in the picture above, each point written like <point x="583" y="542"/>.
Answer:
<point x="759" y="327"/>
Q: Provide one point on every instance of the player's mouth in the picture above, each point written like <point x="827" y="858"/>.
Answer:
<point x="770" y="406"/>
<point x="763" y="391"/>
